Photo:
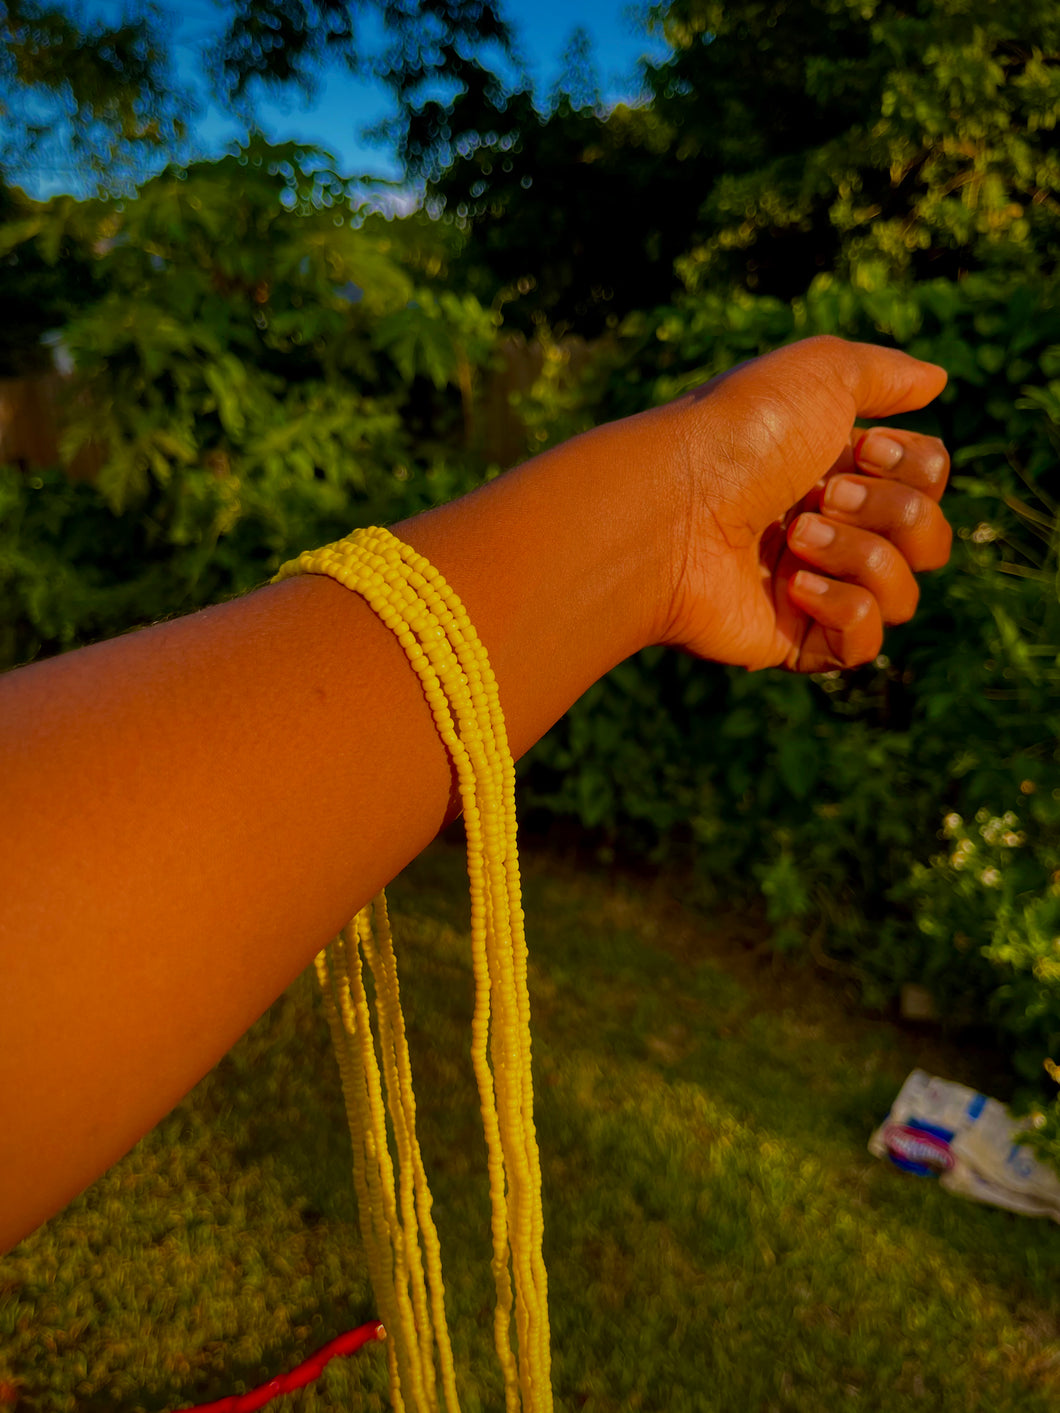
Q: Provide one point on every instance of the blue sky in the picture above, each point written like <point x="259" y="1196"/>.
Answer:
<point x="343" y="107"/>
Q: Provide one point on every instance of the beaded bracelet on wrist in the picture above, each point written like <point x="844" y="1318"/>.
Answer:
<point x="414" y="601"/>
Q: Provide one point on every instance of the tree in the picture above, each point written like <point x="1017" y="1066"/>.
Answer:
<point x="879" y="139"/>
<point x="429" y="43"/>
<point x="46" y="276"/>
<point x="258" y="366"/>
<point x="572" y="213"/>
<point x="106" y="98"/>
<point x="100" y="95"/>
<point x="781" y="140"/>
<point x="567" y="216"/>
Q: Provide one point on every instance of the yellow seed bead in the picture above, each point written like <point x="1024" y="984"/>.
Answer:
<point x="413" y="599"/>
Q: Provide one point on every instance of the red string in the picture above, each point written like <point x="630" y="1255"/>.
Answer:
<point x="313" y="1367"/>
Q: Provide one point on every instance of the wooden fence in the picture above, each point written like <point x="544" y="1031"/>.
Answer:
<point x="32" y="411"/>
<point x="31" y="421"/>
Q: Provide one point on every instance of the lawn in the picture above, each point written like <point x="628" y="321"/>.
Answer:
<point x="717" y="1236"/>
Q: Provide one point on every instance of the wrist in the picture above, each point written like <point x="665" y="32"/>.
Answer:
<point x="565" y="565"/>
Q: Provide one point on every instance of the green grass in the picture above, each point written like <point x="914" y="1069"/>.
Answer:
<point x="717" y="1236"/>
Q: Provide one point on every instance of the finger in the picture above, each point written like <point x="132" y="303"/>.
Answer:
<point x="847" y="629"/>
<point x="859" y="557"/>
<point x="919" y="461"/>
<point x="878" y="382"/>
<point x="881" y="381"/>
<point x="909" y="518"/>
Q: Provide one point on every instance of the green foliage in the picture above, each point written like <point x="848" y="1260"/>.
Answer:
<point x="257" y="370"/>
<point x="923" y="145"/>
<point x="102" y="101"/>
<point x="47" y="274"/>
<point x="417" y="49"/>
<point x="569" y="216"/>
<point x="102" y="93"/>
<point x="782" y="140"/>
<point x="997" y="881"/>
<point x="565" y="397"/>
<point x="828" y="794"/>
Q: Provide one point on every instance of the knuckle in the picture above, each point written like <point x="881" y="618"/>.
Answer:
<point x="870" y="636"/>
<point x="878" y="563"/>
<point x="906" y="604"/>
<point x="823" y="349"/>
<point x="916" y="512"/>
<point x="825" y="342"/>
<point x="945" y="544"/>
<point x="936" y="462"/>
<point x="940" y="554"/>
<point x="931" y="550"/>
<point x="862" y="606"/>
<point x="863" y="638"/>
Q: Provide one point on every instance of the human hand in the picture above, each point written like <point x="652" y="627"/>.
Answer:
<point x="778" y="566"/>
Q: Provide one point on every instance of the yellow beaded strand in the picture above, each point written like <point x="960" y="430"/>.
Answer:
<point x="330" y="969"/>
<point x="510" y="964"/>
<point x="432" y="626"/>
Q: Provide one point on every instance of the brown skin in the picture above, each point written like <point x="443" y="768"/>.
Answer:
<point x="192" y="811"/>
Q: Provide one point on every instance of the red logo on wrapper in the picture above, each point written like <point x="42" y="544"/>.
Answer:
<point x="916" y="1148"/>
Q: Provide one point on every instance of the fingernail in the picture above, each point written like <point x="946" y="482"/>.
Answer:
<point x="810" y="583"/>
<point x="842" y="494"/>
<point x="878" y="451"/>
<point x="811" y="530"/>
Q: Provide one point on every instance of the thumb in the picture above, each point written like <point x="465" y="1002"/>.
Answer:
<point x="880" y="381"/>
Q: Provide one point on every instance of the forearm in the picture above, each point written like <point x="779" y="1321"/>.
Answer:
<point x="192" y="811"/>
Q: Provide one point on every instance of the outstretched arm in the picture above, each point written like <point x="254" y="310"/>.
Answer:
<point x="192" y="811"/>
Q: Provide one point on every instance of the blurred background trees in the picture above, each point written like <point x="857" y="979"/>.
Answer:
<point x="105" y="92"/>
<point x="782" y="140"/>
<point x="262" y="359"/>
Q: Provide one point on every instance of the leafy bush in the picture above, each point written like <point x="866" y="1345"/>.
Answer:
<point x="996" y="879"/>
<point x="260" y="369"/>
<point x="829" y="796"/>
